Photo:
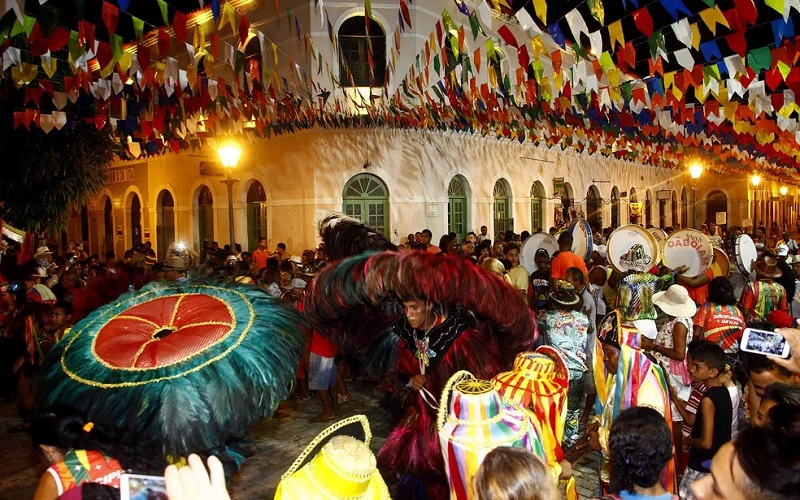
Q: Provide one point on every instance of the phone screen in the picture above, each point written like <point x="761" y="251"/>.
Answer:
<point x="143" y="487"/>
<point x="765" y="342"/>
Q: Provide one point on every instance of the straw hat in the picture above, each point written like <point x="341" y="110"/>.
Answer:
<point x="336" y="464"/>
<point x="676" y="302"/>
<point x="636" y="259"/>
<point x="564" y="293"/>
<point x="39" y="272"/>
<point x="768" y="268"/>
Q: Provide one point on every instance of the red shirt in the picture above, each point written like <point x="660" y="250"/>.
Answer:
<point x="322" y="346"/>
<point x="562" y="262"/>
<point x="260" y="258"/>
<point x="721" y="324"/>
<point x="700" y="294"/>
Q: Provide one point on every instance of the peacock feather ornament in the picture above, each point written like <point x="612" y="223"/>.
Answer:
<point x="189" y="365"/>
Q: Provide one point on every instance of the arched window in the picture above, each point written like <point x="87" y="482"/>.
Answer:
<point x="165" y="223"/>
<point x="256" y="215"/>
<point x="594" y="207"/>
<point x="648" y="209"/>
<point x="632" y="198"/>
<point x="716" y="202"/>
<point x="355" y="47"/>
<point x="503" y="221"/>
<point x="108" y="226"/>
<point x="674" y="198"/>
<point x="685" y="206"/>
<point x="204" y="208"/>
<point x="367" y="199"/>
<point x="136" y="220"/>
<point x="615" y="212"/>
<point x="457" y="221"/>
<point x="537" y="207"/>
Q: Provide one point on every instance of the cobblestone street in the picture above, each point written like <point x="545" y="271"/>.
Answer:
<point x="277" y="443"/>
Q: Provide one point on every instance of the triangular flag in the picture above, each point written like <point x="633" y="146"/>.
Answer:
<point x="179" y="26"/>
<point x="110" y="17"/>
<point x="615" y="34"/>
<point x="162" y="6"/>
<point x="576" y="24"/>
<point x="643" y="21"/>
<point x="228" y="16"/>
<point x="540" y="6"/>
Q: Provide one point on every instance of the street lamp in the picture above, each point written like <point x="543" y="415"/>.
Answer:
<point x="783" y="192"/>
<point x="695" y="170"/>
<point x="229" y="154"/>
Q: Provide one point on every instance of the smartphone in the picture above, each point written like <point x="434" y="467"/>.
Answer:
<point x="138" y="487"/>
<point x="764" y="342"/>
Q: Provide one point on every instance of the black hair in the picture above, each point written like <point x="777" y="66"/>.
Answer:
<point x="427" y="231"/>
<point x="575" y="273"/>
<point x="770" y="461"/>
<point x="565" y="239"/>
<point x="782" y="394"/>
<point x="640" y="445"/>
<point x="510" y="246"/>
<point x="66" y="429"/>
<point x="272" y="262"/>
<point x="720" y="291"/>
<point x="711" y="354"/>
<point x="282" y="246"/>
<point x="784" y="417"/>
<point x="524" y="235"/>
<point x="444" y="243"/>
<point x="287" y="266"/>
<point x="65" y="306"/>
<point x="759" y="363"/>
<point x="97" y="491"/>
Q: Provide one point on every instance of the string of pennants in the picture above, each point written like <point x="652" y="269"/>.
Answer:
<point x="743" y="114"/>
<point x="736" y="112"/>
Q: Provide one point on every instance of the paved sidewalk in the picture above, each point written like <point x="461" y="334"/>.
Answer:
<point x="277" y="443"/>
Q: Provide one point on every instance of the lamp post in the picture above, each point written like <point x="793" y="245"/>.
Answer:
<point x="783" y="191"/>
<point x="695" y="170"/>
<point x="755" y="180"/>
<point x="229" y="155"/>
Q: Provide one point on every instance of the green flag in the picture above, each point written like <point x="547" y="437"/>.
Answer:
<point x="138" y="27"/>
<point x="164" y="13"/>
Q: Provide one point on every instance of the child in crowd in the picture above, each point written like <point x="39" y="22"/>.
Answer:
<point x="687" y="410"/>
<point x="712" y="424"/>
<point x="513" y="474"/>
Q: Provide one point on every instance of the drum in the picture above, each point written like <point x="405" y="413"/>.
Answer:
<point x="721" y="265"/>
<point x="746" y="254"/>
<point x="581" y="238"/>
<point x="659" y="235"/>
<point x="632" y="248"/>
<point x="531" y="245"/>
<point x="691" y="248"/>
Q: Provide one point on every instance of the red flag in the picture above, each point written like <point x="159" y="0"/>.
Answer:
<point x="407" y="15"/>
<point x="143" y="56"/>
<point x="86" y="34"/>
<point x="110" y="17"/>
<point x="163" y="43"/>
<point x="508" y="36"/>
<point x="179" y="26"/>
<point x="643" y="21"/>
<point x="214" y="45"/>
<point x="244" y="30"/>
<point x="737" y="43"/>
<point x="58" y="38"/>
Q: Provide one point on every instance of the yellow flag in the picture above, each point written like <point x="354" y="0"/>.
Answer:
<point x="541" y="9"/>
<point x="615" y="34"/>
<point x="125" y="60"/>
<point x="538" y="47"/>
<point x="695" y="37"/>
<point x="274" y="53"/>
<point x="669" y="80"/>
<point x="49" y="66"/>
<point x="712" y="17"/>
<point x="228" y="16"/>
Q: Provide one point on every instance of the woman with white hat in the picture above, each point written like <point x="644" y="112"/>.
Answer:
<point x="671" y="343"/>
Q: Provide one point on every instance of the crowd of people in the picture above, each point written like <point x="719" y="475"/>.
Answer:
<point x="658" y="382"/>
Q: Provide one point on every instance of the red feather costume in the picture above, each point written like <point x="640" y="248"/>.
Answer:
<point x="482" y="324"/>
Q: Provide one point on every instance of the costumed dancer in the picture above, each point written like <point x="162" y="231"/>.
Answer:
<point x="423" y="317"/>
<point x="625" y="377"/>
<point x="191" y="366"/>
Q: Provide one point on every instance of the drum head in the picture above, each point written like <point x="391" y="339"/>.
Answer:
<point x="632" y="248"/>
<point x="691" y="248"/>
<point x="746" y="253"/>
<point x="659" y="235"/>
<point x="721" y="265"/>
<point x="527" y="253"/>
<point x="581" y="238"/>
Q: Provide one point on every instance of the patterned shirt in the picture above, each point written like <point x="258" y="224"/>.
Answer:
<point x="635" y="295"/>
<point x="722" y="325"/>
<point x="761" y="297"/>
<point x="82" y="466"/>
<point x="567" y="331"/>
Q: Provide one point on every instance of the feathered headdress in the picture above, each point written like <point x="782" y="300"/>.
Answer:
<point x="345" y="237"/>
<point x="189" y="365"/>
<point x="349" y="299"/>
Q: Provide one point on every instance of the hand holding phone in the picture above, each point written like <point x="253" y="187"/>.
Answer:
<point x="139" y="487"/>
<point x="194" y="481"/>
<point x="764" y="342"/>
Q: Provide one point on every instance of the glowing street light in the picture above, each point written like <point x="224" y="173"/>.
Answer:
<point x="755" y="179"/>
<point x="695" y="169"/>
<point x="229" y="154"/>
<point x="784" y="190"/>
